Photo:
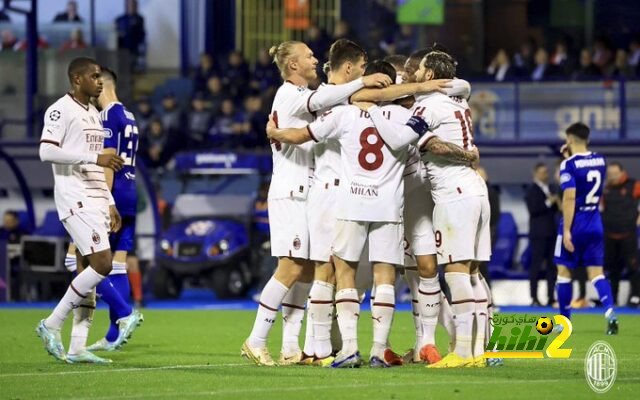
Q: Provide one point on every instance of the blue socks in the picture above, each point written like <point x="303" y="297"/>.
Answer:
<point x="565" y="294"/>
<point x="603" y="287"/>
<point x="115" y="291"/>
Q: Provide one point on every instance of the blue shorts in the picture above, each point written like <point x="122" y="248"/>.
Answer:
<point x="123" y="240"/>
<point x="588" y="251"/>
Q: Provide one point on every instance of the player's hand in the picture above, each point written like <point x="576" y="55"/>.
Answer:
<point x="113" y="161"/>
<point x="271" y="127"/>
<point x="364" y="105"/>
<point x="115" y="221"/>
<point x="377" y="80"/>
<point x="564" y="150"/>
<point x="567" y="241"/>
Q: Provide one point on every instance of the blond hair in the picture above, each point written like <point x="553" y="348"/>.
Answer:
<point x="281" y="55"/>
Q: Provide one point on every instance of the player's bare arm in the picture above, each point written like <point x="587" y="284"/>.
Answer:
<point x="396" y="136"/>
<point x="397" y="91"/>
<point x="451" y="152"/>
<point x="288" y="135"/>
<point x="568" y="211"/>
<point x="108" y="172"/>
<point x="332" y="95"/>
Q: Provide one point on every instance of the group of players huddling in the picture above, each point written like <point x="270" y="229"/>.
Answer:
<point x="379" y="157"/>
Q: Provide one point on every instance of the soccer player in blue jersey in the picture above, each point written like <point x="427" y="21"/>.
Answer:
<point x="121" y="137"/>
<point x="580" y="241"/>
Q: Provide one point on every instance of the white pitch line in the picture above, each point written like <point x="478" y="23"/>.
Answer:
<point x="183" y="394"/>
<point x="136" y="369"/>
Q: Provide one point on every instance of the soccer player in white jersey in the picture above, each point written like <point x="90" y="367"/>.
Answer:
<point x="369" y="208"/>
<point x="461" y="212"/>
<point x="72" y="140"/>
<point x="294" y="106"/>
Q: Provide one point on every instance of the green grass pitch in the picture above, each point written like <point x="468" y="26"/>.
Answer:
<point x="195" y="354"/>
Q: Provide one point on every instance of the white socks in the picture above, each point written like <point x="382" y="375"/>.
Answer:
<point x="309" y="341"/>
<point x="480" y="296"/>
<point x="293" y="305"/>
<point x="348" y="310"/>
<point x="320" y="314"/>
<point x="445" y="318"/>
<point x="270" y="299"/>
<point x="488" y="331"/>
<point x="79" y="289"/>
<point x="70" y="262"/>
<point x="82" y="319"/>
<point x="118" y="268"/>
<point x="429" y="301"/>
<point x="413" y="281"/>
<point x="382" y="316"/>
<point x="463" y="307"/>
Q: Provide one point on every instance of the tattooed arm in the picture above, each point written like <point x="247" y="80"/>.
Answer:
<point x="450" y="151"/>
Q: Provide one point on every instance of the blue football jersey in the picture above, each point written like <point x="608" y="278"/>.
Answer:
<point x="121" y="133"/>
<point x="586" y="173"/>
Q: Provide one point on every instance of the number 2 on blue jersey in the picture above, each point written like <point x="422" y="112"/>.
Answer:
<point x="593" y="175"/>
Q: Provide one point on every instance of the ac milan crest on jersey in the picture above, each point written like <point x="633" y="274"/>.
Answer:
<point x="297" y="243"/>
<point x="95" y="237"/>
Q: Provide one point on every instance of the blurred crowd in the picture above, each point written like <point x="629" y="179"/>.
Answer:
<point x="228" y="110"/>
<point x="536" y="63"/>
<point x="129" y="28"/>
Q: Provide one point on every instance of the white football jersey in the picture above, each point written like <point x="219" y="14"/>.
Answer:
<point x="292" y="164"/>
<point x="76" y="128"/>
<point x="449" y="118"/>
<point x="326" y="158"/>
<point x="371" y="188"/>
<point x="415" y="172"/>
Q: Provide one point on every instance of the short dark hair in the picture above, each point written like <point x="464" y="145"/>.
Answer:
<point x="442" y="65"/>
<point x="538" y="166"/>
<point x="397" y="60"/>
<point x="13" y="213"/>
<point x="578" y="130"/>
<point x="382" y="67"/>
<point x="438" y="47"/>
<point x="417" y="56"/>
<point x="108" y="73"/>
<point x="79" y="65"/>
<point x="616" y="164"/>
<point x="343" y="50"/>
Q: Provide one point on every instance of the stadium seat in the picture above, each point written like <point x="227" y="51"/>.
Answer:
<point x="51" y="226"/>
<point x="501" y="264"/>
<point x="24" y="221"/>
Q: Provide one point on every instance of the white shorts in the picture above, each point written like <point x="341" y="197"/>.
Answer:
<point x="321" y="215"/>
<point x="288" y="228"/>
<point x="462" y="230"/>
<point x="418" y="225"/>
<point x="89" y="230"/>
<point x="385" y="241"/>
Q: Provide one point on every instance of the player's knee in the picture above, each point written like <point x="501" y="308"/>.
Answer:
<point x="427" y="266"/>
